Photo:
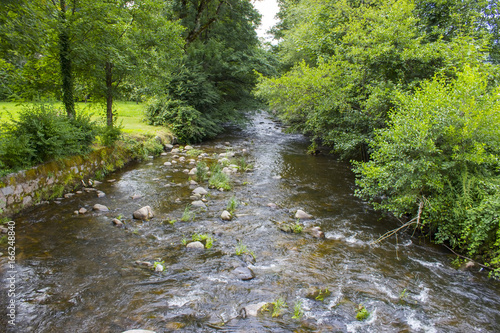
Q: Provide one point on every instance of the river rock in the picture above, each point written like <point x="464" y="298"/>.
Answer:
<point x="68" y="195"/>
<point x="101" y="194"/>
<point x="272" y="205"/>
<point x="196" y="246"/>
<point x="159" y="268"/>
<point x="164" y="154"/>
<point x="144" y="263"/>
<point x="226" y="216"/>
<point x="188" y="147"/>
<point x="175" y="151"/>
<point x="117" y="223"/>
<point x="82" y="210"/>
<point x="76" y="212"/>
<point x="300" y="214"/>
<point x="182" y="159"/>
<point x="193" y="182"/>
<point x="253" y="309"/>
<point x="316" y="232"/>
<point x="192" y="171"/>
<point x="144" y="213"/>
<point x="168" y="146"/>
<point x="200" y="191"/>
<point x="244" y="273"/>
<point x="198" y="203"/>
<point x="100" y="208"/>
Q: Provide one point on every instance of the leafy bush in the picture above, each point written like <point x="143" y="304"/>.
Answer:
<point x="441" y="152"/>
<point x="41" y="134"/>
<point x="188" y="124"/>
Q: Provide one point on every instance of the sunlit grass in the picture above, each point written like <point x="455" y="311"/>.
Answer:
<point x="130" y="114"/>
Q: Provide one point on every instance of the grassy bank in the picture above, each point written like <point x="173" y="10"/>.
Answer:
<point x="130" y="114"/>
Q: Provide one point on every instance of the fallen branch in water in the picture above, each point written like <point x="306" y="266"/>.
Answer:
<point x="415" y="220"/>
<point x="464" y="257"/>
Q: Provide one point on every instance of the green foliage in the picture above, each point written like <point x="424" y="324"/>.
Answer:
<point x="42" y="134"/>
<point x="441" y="148"/>
<point x="188" y="124"/>
<point x="242" y="249"/>
<point x="219" y="180"/>
<point x="201" y="171"/>
<point x="141" y="149"/>
<point x="232" y="205"/>
<point x="362" y="313"/>
<point x="348" y="62"/>
<point x="188" y="215"/>
<point x="279" y="307"/>
<point x="297" y="310"/>
<point x="194" y="152"/>
<point x="208" y="240"/>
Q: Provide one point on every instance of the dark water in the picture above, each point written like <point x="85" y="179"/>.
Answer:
<point x="78" y="273"/>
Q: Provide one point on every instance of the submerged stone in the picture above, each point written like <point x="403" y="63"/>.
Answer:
<point x="196" y="246"/>
<point x="244" y="273"/>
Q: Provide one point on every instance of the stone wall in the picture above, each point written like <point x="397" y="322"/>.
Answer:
<point x="51" y="180"/>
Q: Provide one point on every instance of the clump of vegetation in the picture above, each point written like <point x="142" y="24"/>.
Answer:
<point x="322" y="294"/>
<point x="242" y="164"/>
<point x="362" y="313"/>
<point x="242" y="249"/>
<point x="232" y="205"/>
<point x="194" y="152"/>
<point x="297" y="310"/>
<point x="201" y="172"/>
<point x="40" y="134"/>
<point x="278" y="307"/>
<point x="206" y="239"/>
<point x="188" y="124"/>
<point x="188" y="215"/>
<point x="219" y="179"/>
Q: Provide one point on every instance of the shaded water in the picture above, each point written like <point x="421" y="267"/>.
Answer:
<point x="78" y="273"/>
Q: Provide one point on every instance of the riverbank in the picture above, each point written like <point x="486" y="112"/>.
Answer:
<point x="57" y="179"/>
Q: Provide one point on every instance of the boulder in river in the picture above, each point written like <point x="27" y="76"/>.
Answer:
<point x="253" y="309"/>
<point x="198" y="203"/>
<point x="136" y="196"/>
<point x="300" y="214"/>
<point x="196" y="246"/>
<point x="244" y="273"/>
<point x="226" y="216"/>
<point x="138" y="331"/>
<point x="117" y="223"/>
<point x="100" y="208"/>
<point x="200" y="191"/>
<point x="316" y="232"/>
<point x="144" y="213"/>
<point x="82" y="210"/>
<point x="272" y="205"/>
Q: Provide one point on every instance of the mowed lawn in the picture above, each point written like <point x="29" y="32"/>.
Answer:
<point x="130" y="114"/>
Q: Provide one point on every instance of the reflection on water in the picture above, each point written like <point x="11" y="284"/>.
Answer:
<point x="78" y="273"/>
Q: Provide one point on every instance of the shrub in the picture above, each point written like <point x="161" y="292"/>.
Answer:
<point x="41" y="134"/>
<point x="188" y="124"/>
<point x="440" y="152"/>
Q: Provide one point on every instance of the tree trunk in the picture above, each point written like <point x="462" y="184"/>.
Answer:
<point x="65" y="62"/>
<point x="109" y="94"/>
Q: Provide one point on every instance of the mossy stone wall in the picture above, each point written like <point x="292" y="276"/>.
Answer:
<point x="51" y="180"/>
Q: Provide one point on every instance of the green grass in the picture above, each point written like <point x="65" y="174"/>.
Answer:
<point x="130" y="114"/>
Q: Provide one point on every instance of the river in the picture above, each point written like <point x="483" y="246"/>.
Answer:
<point x="78" y="273"/>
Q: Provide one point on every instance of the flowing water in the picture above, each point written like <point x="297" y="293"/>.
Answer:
<point x="78" y="273"/>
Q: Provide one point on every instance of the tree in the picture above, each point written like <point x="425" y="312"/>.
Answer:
<point x="356" y="56"/>
<point x="213" y="85"/>
<point x="439" y="159"/>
